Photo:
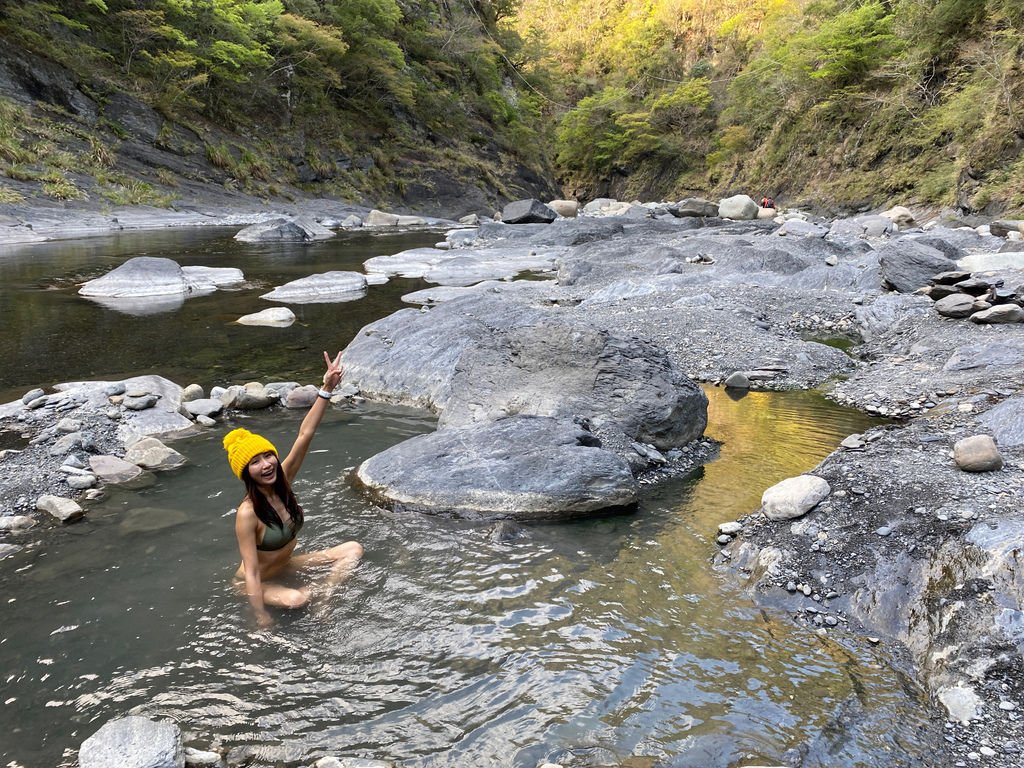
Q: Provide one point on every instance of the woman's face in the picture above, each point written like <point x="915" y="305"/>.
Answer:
<point x="263" y="468"/>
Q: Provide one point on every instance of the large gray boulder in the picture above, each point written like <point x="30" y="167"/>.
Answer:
<point x="568" y="209"/>
<point x="908" y="264"/>
<point x="522" y="468"/>
<point x="301" y="230"/>
<point x="562" y="369"/>
<point x="133" y="742"/>
<point x="694" y="207"/>
<point x="738" y="207"/>
<point x="484" y="356"/>
<point x="144" y="276"/>
<point x="527" y="212"/>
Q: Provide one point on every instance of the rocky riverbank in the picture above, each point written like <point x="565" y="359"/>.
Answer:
<point x="904" y="547"/>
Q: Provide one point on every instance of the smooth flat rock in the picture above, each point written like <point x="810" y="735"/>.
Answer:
<point x="205" y="406"/>
<point x="955" y="305"/>
<point x="275" y="317"/>
<point x="204" y="278"/>
<point x="63" y="509"/>
<point x="522" y="468"/>
<point x="150" y="453"/>
<point x="323" y="288"/>
<point x="115" y="471"/>
<point x="148" y="285"/>
<point x="997" y="354"/>
<point x="133" y="742"/>
<point x="999" y="314"/>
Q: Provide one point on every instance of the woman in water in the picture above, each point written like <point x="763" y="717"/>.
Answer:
<point x="269" y="517"/>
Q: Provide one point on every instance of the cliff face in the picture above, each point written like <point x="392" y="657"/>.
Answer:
<point x="378" y="104"/>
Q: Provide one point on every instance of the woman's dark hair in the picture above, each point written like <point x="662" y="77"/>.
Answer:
<point x="261" y="505"/>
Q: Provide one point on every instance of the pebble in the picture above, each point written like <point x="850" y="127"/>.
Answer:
<point x="73" y="461"/>
<point x="1007" y="706"/>
<point x="81" y="482"/>
<point x="724" y="539"/>
<point x="885" y="530"/>
<point x="988" y="751"/>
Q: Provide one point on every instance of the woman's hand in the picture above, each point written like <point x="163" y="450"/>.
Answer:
<point x="334" y="370"/>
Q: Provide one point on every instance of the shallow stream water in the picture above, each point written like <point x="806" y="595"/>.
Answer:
<point x="599" y="642"/>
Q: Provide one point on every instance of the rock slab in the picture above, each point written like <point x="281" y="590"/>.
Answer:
<point x="521" y="468"/>
<point x="133" y="742"/>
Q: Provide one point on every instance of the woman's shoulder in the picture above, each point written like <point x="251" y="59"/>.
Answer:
<point x="245" y="509"/>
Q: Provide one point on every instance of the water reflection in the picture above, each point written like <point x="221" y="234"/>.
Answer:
<point x="594" y="642"/>
<point x="193" y="340"/>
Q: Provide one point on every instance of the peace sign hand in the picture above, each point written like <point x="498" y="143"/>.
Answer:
<point x="334" y="371"/>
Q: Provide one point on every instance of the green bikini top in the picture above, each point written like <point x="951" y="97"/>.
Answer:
<point x="276" y="536"/>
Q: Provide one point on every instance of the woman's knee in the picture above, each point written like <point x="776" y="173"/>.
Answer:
<point x="355" y="550"/>
<point x="350" y="550"/>
<point x="291" y="598"/>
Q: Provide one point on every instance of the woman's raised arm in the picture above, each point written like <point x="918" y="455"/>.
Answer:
<point x="293" y="461"/>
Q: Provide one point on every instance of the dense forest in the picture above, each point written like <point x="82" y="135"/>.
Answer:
<point x="855" y="102"/>
<point x="843" y="103"/>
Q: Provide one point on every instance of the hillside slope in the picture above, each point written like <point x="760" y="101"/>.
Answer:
<point x="407" y="107"/>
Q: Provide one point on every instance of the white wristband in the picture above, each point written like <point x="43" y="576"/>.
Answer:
<point x="324" y="394"/>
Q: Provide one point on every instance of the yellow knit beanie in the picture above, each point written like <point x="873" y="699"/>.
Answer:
<point x="242" y="445"/>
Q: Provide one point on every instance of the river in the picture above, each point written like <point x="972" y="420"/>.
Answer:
<point x="598" y="642"/>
